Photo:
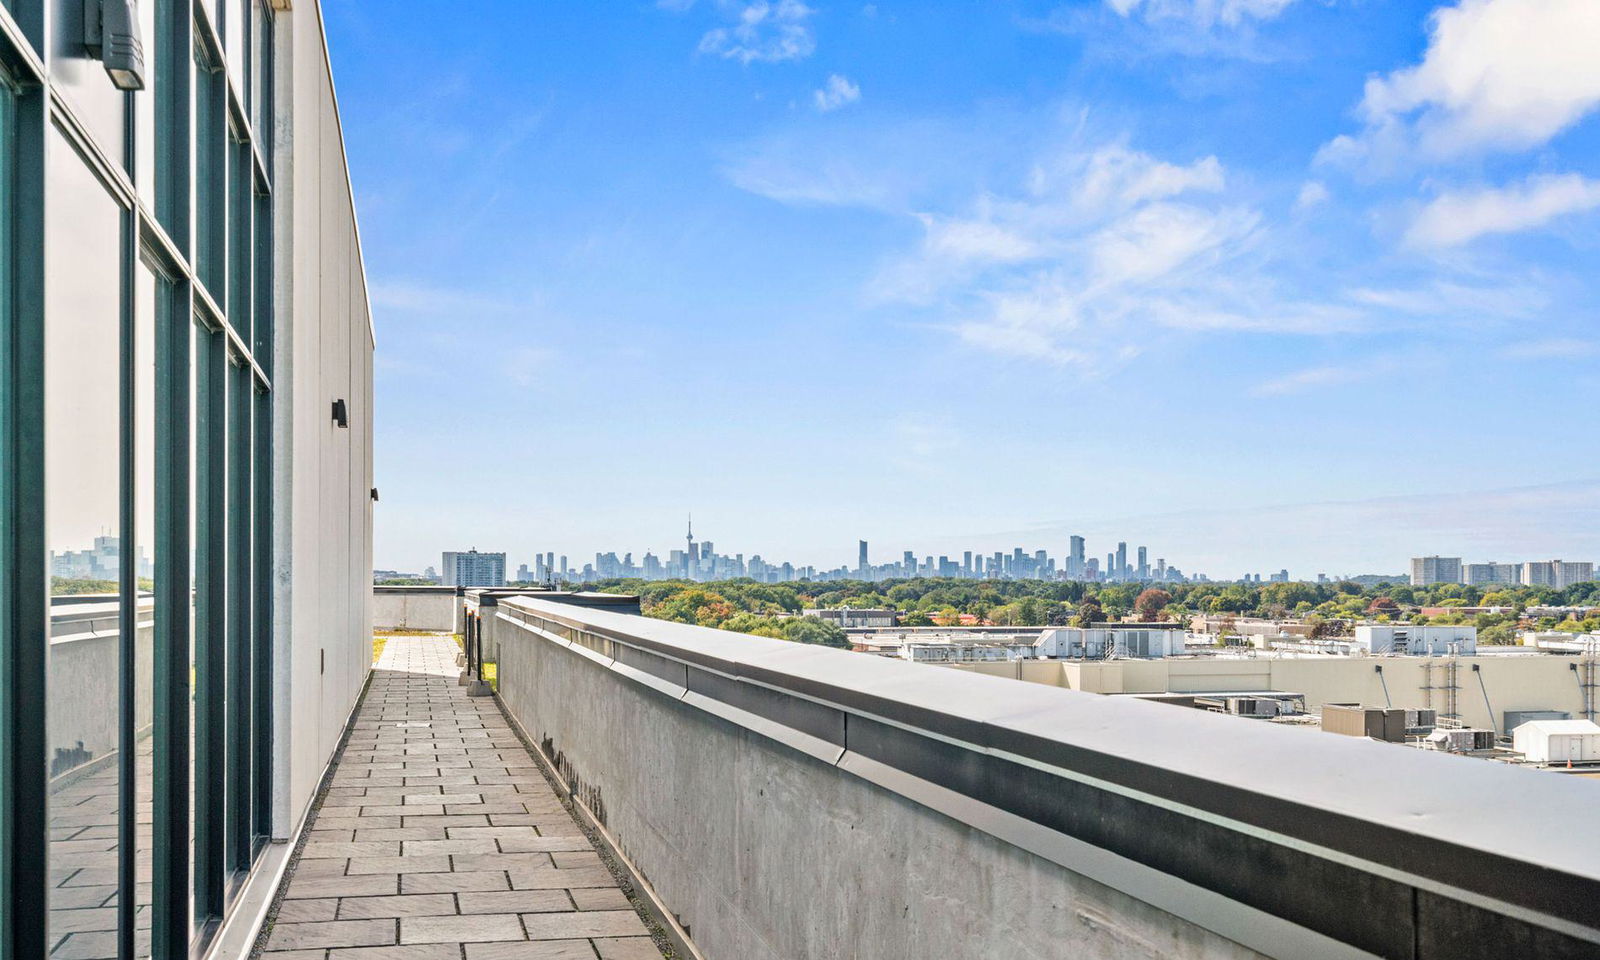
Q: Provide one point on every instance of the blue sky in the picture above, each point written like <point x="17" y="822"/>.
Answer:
<point x="1261" y="283"/>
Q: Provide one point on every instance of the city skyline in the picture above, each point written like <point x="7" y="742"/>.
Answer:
<point x="1307" y="538"/>
<point x="699" y="560"/>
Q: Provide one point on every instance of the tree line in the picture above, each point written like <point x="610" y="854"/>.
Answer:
<point x="772" y="609"/>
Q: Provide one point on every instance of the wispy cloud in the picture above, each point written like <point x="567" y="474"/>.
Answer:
<point x="1313" y="194"/>
<point x="837" y="92"/>
<point x="1555" y="348"/>
<point x="1076" y="250"/>
<point x="1454" y="218"/>
<point x="1312" y="378"/>
<point x="527" y="366"/>
<point x="412" y="296"/>
<point x="1497" y="75"/>
<point x="1205" y="13"/>
<point x="1123" y="30"/>
<point x="1506" y="297"/>
<point x="766" y="31"/>
<point x="1099" y="250"/>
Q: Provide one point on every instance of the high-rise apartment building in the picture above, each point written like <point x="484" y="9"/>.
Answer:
<point x="1431" y="570"/>
<point x="1556" y="574"/>
<point x="185" y="376"/>
<point x="471" y="568"/>
<point x="1122" y="561"/>
<point x="1485" y="574"/>
<point x="861" y="562"/>
<point x="1144" y="564"/>
<point x="1075" y="558"/>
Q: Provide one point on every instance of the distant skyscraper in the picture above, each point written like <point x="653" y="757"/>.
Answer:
<point x="1075" y="559"/>
<point x="861" y="564"/>
<point x="1144" y="564"/>
<point x="474" y="569"/>
<point x="1122" y="560"/>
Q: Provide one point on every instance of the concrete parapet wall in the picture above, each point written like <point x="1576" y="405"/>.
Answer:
<point x="767" y="853"/>
<point x="788" y="801"/>
<point x="416" y="608"/>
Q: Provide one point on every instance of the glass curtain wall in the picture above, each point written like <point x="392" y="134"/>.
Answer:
<point x="135" y="466"/>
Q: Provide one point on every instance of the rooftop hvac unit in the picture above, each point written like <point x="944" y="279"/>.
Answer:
<point x="1462" y="741"/>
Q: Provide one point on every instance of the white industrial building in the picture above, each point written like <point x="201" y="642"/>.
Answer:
<point x="1558" y="741"/>
<point x="1141" y="641"/>
<point x="1433" y="640"/>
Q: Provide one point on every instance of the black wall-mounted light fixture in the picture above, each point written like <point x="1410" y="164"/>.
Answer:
<point x="341" y="414"/>
<point x="111" y="35"/>
<point x="374" y="494"/>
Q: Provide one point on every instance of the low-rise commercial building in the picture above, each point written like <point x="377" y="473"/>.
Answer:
<point x="1417" y="640"/>
<point x="852" y="618"/>
<point x="1213" y="624"/>
<point x="1474" y="691"/>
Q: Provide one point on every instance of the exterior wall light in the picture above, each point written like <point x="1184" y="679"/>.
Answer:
<point x="341" y="414"/>
<point x="111" y="33"/>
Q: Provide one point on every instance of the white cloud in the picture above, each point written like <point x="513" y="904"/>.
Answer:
<point x="1313" y="194"/>
<point x="1506" y="297"/>
<point x="1556" y="348"/>
<point x="837" y="92"/>
<point x="1452" y="219"/>
<point x="1157" y="240"/>
<point x="527" y="366"/>
<point x="1498" y="74"/>
<point x="766" y="31"/>
<point x="1203" y="13"/>
<point x="1310" y="378"/>
<point x="1115" y="174"/>
<point x="1104" y="248"/>
<point x="977" y="240"/>
<point x="1084" y="256"/>
<point x="411" y="296"/>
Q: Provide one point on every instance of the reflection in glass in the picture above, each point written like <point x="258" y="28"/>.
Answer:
<point x="152" y="294"/>
<point x="237" y="792"/>
<point x="7" y="136"/>
<point x="198" y="342"/>
<point x="210" y="172"/>
<point x="82" y="525"/>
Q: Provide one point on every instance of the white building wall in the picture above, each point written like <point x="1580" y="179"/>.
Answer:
<point x="1557" y="741"/>
<point x="323" y="598"/>
<point x="1429" y="639"/>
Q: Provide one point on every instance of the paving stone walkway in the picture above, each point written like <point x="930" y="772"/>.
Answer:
<point x="441" y="840"/>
